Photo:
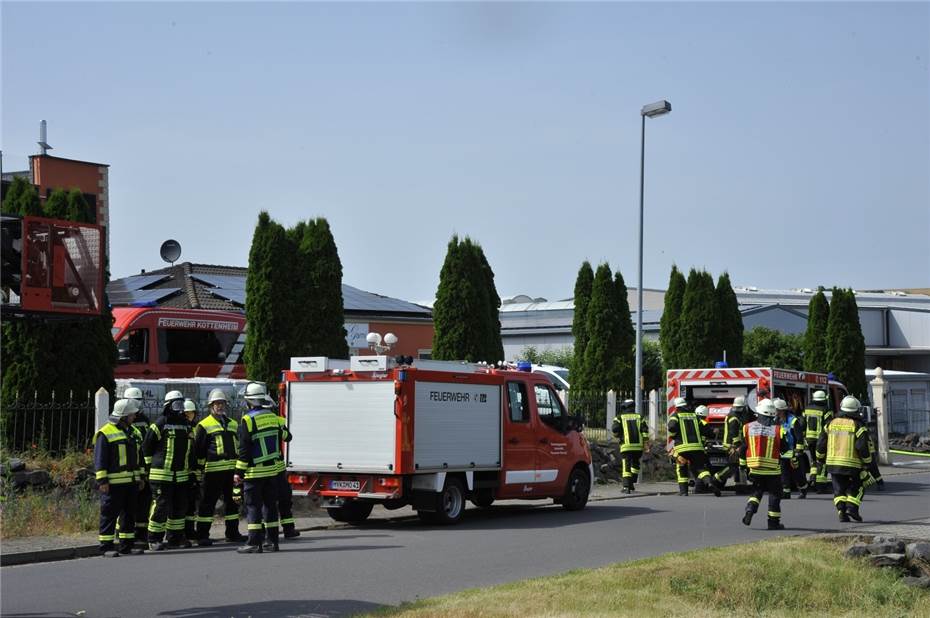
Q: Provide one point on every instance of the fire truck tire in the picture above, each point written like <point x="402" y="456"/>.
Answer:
<point x="483" y="498"/>
<point x="450" y="504"/>
<point x="351" y="512"/>
<point x="576" y="490"/>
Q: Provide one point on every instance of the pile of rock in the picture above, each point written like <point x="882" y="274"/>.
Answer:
<point x="911" y="559"/>
<point x="15" y="474"/>
<point x="654" y="465"/>
<point x="911" y="442"/>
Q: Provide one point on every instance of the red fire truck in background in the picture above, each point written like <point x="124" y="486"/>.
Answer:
<point x="429" y="434"/>
<point x="716" y="389"/>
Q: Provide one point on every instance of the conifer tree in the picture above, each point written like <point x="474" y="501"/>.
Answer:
<point x="815" y="337"/>
<point x="699" y="334"/>
<point x="626" y="335"/>
<point x="319" y="255"/>
<point x="22" y="199"/>
<point x="603" y="358"/>
<point x="56" y="206"/>
<point x="730" y="322"/>
<point x="670" y="325"/>
<point x="493" y="344"/>
<point x="454" y="310"/>
<point x="78" y="209"/>
<point x="845" y="343"/>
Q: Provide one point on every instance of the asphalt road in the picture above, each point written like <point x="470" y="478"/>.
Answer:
<point x="345" y="571"/>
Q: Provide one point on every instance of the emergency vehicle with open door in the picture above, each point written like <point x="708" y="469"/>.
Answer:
<point x="716" y="389"/>
<point x="429" y="434"/>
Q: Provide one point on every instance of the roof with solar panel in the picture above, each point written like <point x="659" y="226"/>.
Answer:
<point x="207" y="286"/>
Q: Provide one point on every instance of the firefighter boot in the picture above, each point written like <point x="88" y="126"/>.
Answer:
<point x="249" y="549"/>
<point x="751" y="507"/>
<point x="775" y="524"/>
<point x="841" y="512"/>
<point x="715" y="486"/>
<point x="177" y="540"/>
<point x="682" y="489"/>
<point x="232" y="532"/>
<point x="853" y="513"/>
<point x="290" y="531"/>
<point x="271" y="544"/>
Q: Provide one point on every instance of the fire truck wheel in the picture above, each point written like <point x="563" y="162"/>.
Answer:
<point x="483" y="498"/>
<point x="351" y="512"/>
<point x="576" y="491"/>
<point x="450" y="504"/>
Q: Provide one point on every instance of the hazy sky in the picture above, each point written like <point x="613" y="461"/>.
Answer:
<point x="797" y="152"/>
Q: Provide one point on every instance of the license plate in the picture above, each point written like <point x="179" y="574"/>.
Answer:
<point x="718" y="461"/>
<point x="345" y="485"/>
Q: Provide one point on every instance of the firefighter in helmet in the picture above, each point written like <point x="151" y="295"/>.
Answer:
<point x="168" y="453"/>
<point x="732" y="439"/>
<point x="217" y="444"/>
<point x="792" y="473"/>
<point x="684" y="429"/>
<point x="843" y="448"/>
<point x="144" y="496"/>
<point x="762" y="446"/>
<point x="630" y="429"/>
<point x="196" y="476"/>
<point x="257" y="467"/>
<point x="816" y="417"/>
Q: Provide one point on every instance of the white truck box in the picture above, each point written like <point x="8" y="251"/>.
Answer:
<point x="457" y="426"/>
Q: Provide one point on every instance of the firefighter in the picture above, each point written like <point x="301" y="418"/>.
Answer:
<point x="762" y="446"/>
<point x="116" y="465"/>
<point x="144" y="495"/>
<point x="792" y="474"/>
<point x="685" y="431"/>
<point x="732" y="438"/>
<point x="630" y="429"/>
<point x="193" y="484"/>
<point x="816" y="417"/>
<point x="843" y="448"/>
<point x="258" y="466"/>
<point x="168" y="453"/>
<point x="216" y="444"/>
<point x="285" y="492"/>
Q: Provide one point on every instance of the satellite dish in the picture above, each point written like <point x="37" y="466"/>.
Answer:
<point x="170" y="251"/>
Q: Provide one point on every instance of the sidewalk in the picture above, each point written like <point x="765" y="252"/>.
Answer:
<point x="27" y="550"/>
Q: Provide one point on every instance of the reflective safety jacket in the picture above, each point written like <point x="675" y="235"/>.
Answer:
<point x="732" y="431"/>
<point x="793" y="436"/>
<point x="168" y="450"/>
<point x="116" y="455"/>
<point x="216" y="443"/>
<point x="844" y="446"/>
<point x="630" y="429"/>
<point x="684" y="429"/>
<point x="816" y="417"/>
<point x="762" y="447"/>
<point x="261" y="433"/>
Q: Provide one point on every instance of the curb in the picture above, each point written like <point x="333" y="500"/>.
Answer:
<point x="49" y="555"/>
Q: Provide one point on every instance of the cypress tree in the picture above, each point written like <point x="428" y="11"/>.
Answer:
<point x="491" y="326"/>
<point x="78" y="208"/>
<point x="699" y="334"/>
<point x="626" y="335"/>
<point x="603" y="358"/>
<point x="583" y="283"/>
<point x="815" y="337"/>
<point x="56" y="206"/>
<point x="670" y="325"/>
<point x="845" y="343"/>
<point x="22" y="199"/>
<point x="730" y="322"/>
<point x="453" y="312"/>
<point x="764" y="347"/>
<point x="318" y="253"/>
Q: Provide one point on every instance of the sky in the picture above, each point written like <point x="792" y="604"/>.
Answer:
<point x="797" y="152"/>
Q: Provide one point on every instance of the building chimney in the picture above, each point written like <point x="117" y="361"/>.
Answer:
<point x="43" y="137"/>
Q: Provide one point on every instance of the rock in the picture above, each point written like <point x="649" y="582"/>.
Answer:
<point x="916" y="582"/>
<point x="39" y="478"/>
<point x="924" y="441"/>
<point x="81" y="476"/>
<point x="13" y="465"/>
<point x="896" y="547"/>
<point x="911" y="438"/>
<point x="857" y="551"/>
<point x="20" y="479"/>
<point x="887" y="560"/>
<point x="918" y="551"/>
<point x="884" y="539"/>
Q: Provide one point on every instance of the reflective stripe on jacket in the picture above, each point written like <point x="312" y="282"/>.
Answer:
<point x="260" y="434"/>
<point x="762" y="447"/>
<point x="116" y="456"/>
<point x="630" y="429"/>
<point x="685" y="431"/>
<point x="217" y="443"/>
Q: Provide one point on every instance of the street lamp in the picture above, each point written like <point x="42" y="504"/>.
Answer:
<point x="649" y="111"/>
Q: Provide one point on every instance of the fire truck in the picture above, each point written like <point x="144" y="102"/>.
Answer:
<point x="716" y="388"/>
<point x="428" y="434"/>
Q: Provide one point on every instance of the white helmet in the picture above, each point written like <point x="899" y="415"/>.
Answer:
<point x="739" y="402"/>
<point x="850" y="405"/>
<point x="681" y="402"/>
<point x="124" y="407"/>
<point x="780" y="404"/>
<point x="172" y="395"/>
<point x="133" y="393"/>
<point x="216" y="394"/>
<point x="257" y="393"/>
<point x="820" y="396"/>
<point x="701" y="411"/>
<point x="189" y="405"/>
<point x="766" y="408"/>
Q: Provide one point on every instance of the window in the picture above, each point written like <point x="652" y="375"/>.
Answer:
<point x="516" y="396"/>
<point x="547" y="404"/>
<point x="194" y="346"/>
<point x="134" y="347"/>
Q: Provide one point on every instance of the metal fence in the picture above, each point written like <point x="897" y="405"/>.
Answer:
<point x="55" y="426"/>
<point x="597" y="410"/>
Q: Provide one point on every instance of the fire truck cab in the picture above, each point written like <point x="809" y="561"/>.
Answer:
<point x="716" y="389"/>
<point x="429" y="434"/>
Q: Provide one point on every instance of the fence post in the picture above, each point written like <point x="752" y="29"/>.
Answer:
<point x="653" y="414"/>
<point x="101" y="406"/>
<point x="611" y="410"/>
<point x="879" y="395"/>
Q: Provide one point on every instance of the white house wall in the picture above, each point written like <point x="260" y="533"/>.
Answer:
<point x="775" y="318"/>
<point x="908" y="329"/>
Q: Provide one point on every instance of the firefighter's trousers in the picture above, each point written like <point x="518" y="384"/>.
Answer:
<point x="285" y="501"/>
<point x="847" y="492"/>
<point x="117" y="504"/>
<point x="143" y="506"/>
<point x="791" y="478"/>
<point x="169" y="508"/>
<point x="629" y="464"/>
<point x="261" y="504"/>
<point x="190" y="514"/>
<point x="216" y="485"/>
<point x="697" y="466"/>
<point x="762" y="484"/>
<point x="818" y="470"/>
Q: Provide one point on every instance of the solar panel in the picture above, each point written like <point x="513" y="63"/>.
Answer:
<point x="354" y="299"/>
<point x="137" y="282"/>
<point x="227" y="282"/>
<point x="129" y="297"/>
<point x="236" y="296"/>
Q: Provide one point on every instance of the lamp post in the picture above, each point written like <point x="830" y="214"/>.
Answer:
<point x="649" y="111"/>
